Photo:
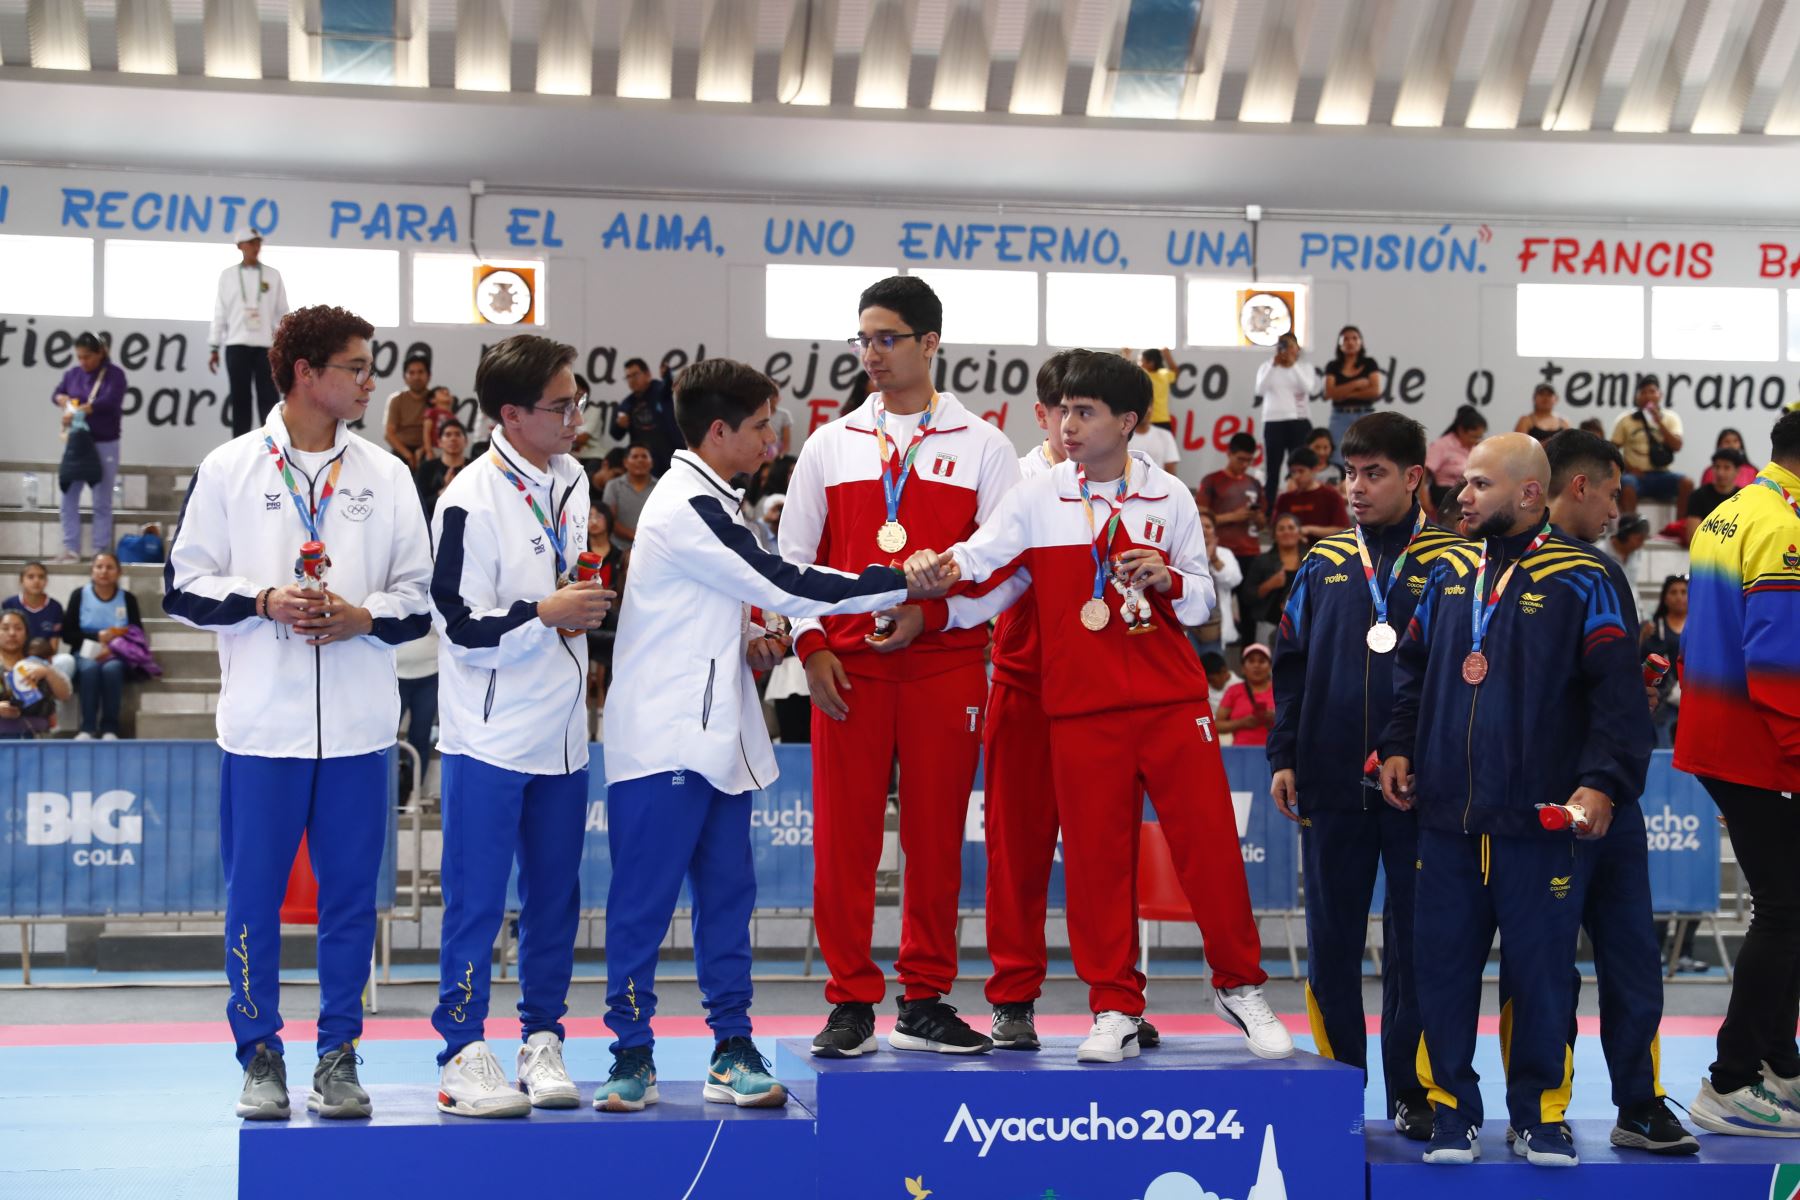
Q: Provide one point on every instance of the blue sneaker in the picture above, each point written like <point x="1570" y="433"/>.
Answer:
<point x="1546" y="1146"/>
<point x="739" y="1075"/>
<point x="632" y="1083"/>
<point x="1453" y="1138"/>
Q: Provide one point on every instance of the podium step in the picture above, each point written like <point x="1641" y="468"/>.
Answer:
<point x="1725" y="1166"/>
<point x="680" y="1147"/>
<point x="1200" y="1116"/>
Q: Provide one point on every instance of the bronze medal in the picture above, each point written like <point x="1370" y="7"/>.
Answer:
<point x="1475" y="668"/>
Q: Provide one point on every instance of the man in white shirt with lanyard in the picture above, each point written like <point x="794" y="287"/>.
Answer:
<point x="250" y="303"/>
<point x="513" y="667"/>
<point x="308" y="706"/>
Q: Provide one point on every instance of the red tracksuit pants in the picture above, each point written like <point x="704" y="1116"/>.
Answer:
<point x="934" y="725"/>
<point x="1102" y="761"/>
<point x="1020" y="825"/>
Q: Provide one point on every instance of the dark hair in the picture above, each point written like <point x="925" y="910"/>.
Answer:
<point x="1390" y="435"/>
<point x="1286" y="514"/>
<point x="859" y="392"/>
<point x="1730" y="454"/>
<point x="908" y="296"/>
<point x="100" y="554"/>
<point x="1321" y="431"/>
<point x="600" y="510"/>
<point x="312" y="335"/>
<point x="718" y="389"/>
<point x="91" y="344"/>
<point x="1593" y="425"/>
<point x="1362" y="356"/>
<point x="1631" y="525"/>
<point x="1575" y="452"/>
<point x="1050" y="376"/>
<point x="1662" y="597"/>
<point x="417" y="356"/>
<point x="1120" y="385"/>
<point x="441" y="387"/>
<point x="1644" y="381"/>
<point x="1467" y="417"/>
<point x="1212" y="661"/>
<point x="1540" y="389"/>
<point x="581" y="385"/>
<point x="1728" y="431"/>
<point x="639" y="363"/>
<point x="645" y="447"/>
<point x="616" y="456"/>
<point x="1784" y="438"/>
<point x="1154" y="358"/>
<point x="451" y="423"/>
<point x="516" y="372"/>
<point x="40" y="566"/>
<point x="1241" y="442"/>
<point x="1303" y="458"/>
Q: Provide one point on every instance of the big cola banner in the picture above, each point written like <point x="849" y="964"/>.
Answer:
<point x="680" y="281"/>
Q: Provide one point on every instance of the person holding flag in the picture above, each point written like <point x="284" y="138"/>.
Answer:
<point x="308" y="703"/>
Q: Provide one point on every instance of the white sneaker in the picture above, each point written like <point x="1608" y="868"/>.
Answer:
<point x="1264" y="1033"/>
<point x="473" y="1085"/>
<point x="542" y="1075"/>
<point x="109" y="737"/>
<point x="84" y="736"/>
<point x="1752" y="1111"/>
<point x="1113" y="1038"/>
<point x="1787" y="1091"/>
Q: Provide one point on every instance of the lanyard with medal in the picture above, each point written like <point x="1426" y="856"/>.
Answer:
<point x="891" y="537"/>
<point x="1382" y="637"/>
<point x="1094" y="613"/>
<point x="309" y="568"/>
<point x="252" y="312"/>
<point x="557" y="535"/>
<point x="1481" y="614"/>
<point x="1780" y="491"/>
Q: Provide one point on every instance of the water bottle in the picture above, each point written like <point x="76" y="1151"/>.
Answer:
<point x="28" y="490"/>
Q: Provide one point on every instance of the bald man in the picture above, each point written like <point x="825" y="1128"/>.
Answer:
<point x="1514" y="690"/>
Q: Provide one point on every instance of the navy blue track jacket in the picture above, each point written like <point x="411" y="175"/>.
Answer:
<point x="1562" y="706"/>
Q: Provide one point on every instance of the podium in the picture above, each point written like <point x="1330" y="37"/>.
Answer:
<point x="679" y="1147"/>
<point x="1197" y="1117"/>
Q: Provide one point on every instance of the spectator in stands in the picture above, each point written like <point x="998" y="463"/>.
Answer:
<point x="1227" y="573"/>
<point x="1321" y="510"/>
<point x="43" y="614"/>
<point x="605" y="471"/>
<point x="1720" y="484"/>
<point x="626" y="496"/>
<point x="1741" y="736"/>
<point x="1248" y="707"/>
<point x="647" y="415"/>
<point x="416" y="668"/>
<point x="1284" y="386"/>
<point x="767" y="521"/>
<point x="97" y="614"/>
<point x="1267" y="579"/>
<point x="435" y="474"/>
<point x="613" y="567"/>
<point x="1542" y="422"/>
<point x="1731" y="439"/>
<point x="859" y="391"/>
<point x="29" y="685"/>
<point x="1352" y="382"/>
<point x="1234" y="497"/>
<point x="1626" y="540"/>
<point x="1649" y="436"/>
<point x="440" y="407"/>
<point x="1661" y="634"/>
<point x="1446" y="458"/>
<point x="1163" y="370"/>
<point x="1218" y="678"/>
<point x="405" y="428"/>
<point x="1324" y="448"/>
<point x="783" y="425"/>
<point x="94" y="389"/>
<point x="250" y="302"/>
<point x="1594" y="425"/>
<point x="1159" y="444"/>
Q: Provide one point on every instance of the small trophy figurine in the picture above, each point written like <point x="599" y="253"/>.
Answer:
<point x="310" y="567"/>
<point x="587" y="566"/>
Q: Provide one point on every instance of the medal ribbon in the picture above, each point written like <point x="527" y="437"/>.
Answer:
<point x="1780" y="491"/>
<point x="558" y="534"/>
<point x="310" y="517"/>
<point x="894" y="477"/>
<point x="1102" y="542"/>
<point x="1380" y="594"/>
<point x="1482" y="613"/>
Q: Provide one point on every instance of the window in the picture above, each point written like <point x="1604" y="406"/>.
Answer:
<point x="1109" y="310"/>
<point x="987" y="308"/>
<point x="805" y="302"/>
<point x="1715" y="324"/>
<point x="1240" y="312"/>
<point x="443" y="287"/>
<point x="47" y="276"/>
<point x="1580" y="320"/>
<point x="177" y="281"/>
<point x="1793" y="330"/>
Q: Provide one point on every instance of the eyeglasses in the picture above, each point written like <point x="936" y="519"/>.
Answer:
<point x="884" y="340"/>
<point x="363" y="373"/>
<point x="568" y="411"/>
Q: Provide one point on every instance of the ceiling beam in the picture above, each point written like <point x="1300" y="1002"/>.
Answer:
<point x="483" y="46"/>
<point x="1655" y="84"/>
<point x="1200" y="101"/>
<point x="965" y="59"/>
<point x="1274" y="81"/>
<point x="883" y="76"/>
<point x="1501" y="93"/>
<point x="1747" y="36"/>
<point x="808" y="54"/>
<point x="1041" y="75"/>
<point x="727" y="52"/>
<point x="58" y="34"/>
<point x="647" y="51"/>
<point x="1349" y="88"/>
<point x="146" y="33"/>
<point x="1431" y="67"/>
<point x="1583" y="72"/>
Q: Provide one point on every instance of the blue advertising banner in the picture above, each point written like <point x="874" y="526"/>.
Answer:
<point x="1681" y="826"/>
<point x="96" y="829"/>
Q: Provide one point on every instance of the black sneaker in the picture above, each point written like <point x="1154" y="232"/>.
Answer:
<point x="849" y="1032"/>
<point x="1651" y="1126"/>
<point x="336" y="1091"/>
<point x="1148" y="1037"/>
<point x="1014" y="1027"/>
<point x="265" y="1094"/>
<point x="930" y="1024"/>
<point x="1412" y="1118"/>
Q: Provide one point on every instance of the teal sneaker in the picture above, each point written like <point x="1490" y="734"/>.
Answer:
<point x="632" y="1083"/>
<point x="740" y="1075"/>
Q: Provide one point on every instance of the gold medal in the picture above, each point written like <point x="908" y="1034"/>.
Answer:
<point x="1095" y="615"/>
<point x="891" y="537"/>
